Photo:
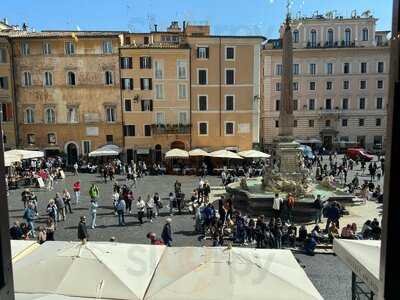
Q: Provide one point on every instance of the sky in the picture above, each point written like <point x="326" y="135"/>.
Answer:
<point x="226" y="17"/>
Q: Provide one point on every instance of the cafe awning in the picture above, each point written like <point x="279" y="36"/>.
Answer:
<point x="177" y="153"/>
<point x="225" y="154"/>
<point x="24" y="154"/>
<point x="253" y="154"/>
<point x="198" y="152"/>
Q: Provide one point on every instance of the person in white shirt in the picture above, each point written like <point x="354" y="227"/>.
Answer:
<point x="149" y="208"/>
<point x="140" y="206"/>
<point x="115" y="198"/>
<point x="75" y="169"/>
<point x="276" y="206"/>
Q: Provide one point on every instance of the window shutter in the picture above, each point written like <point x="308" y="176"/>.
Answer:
<point x="198" y="52"/>
<point x="151" y="105"/>
<point x="142" y="105"/>
<point x="130" y="62"/>
<point x="123" y="83"/>
<point x="150" y="84"/>
<point x="121" y="62"/>
<point x="141" y="83"/>
<point x="207" y="52"/>
<point x="141" y="63"/>
<point x="149" y="62"/>
<point x="9" y="111"/>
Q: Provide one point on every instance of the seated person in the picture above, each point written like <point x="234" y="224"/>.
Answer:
<point x="366" y="230"/>
<point x="316" y="234"/>
<point x="16" y="232"/>
<point x="302" y="233"/>
<point x="347" y="233"/>
<point x="333" y="232"/>
<point x="310" y="245"/>
<point x="292" y="234"/>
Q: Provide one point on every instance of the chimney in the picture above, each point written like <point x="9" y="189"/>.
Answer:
<point x="155" y="27"/>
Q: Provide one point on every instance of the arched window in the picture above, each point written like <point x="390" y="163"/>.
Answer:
<point x="295" y="36"/>
<point x="365" y="34"/>
<point x="71" y="78"/>
<point x="29" y="116"/>
<point x="50" y="115"/>
<point x="347" y="36"/>
<point x="313" y="38"/>
<point x="330" y="38"/>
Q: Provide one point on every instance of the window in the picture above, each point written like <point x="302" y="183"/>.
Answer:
<point x="182" y="91"/>
<point x="329" y="68"/>
<point x="29" y="116"/>
<point x="147" y="105"/>
<point x="51" y="138"/>
<point x="294" y="123"/>
<point x="4" y="82"/>
<point x="203" y="128"/>
<point x="146" y="84"/>
<point x="128" y="105"/>
<point x="129" y="130"/>
<point x="378" y="122"/>
<point x="86" y="147"/>
<point x="202" y="76"/>
<point x="361" y="140"/>
<point x="295" y="36"/>
<point x="30" y="139"/>
<point x="107" y="47"/>
<point x="229" y="76"/>
<point x="147" y="130"/>
<point x="183" y="118"/>
<point x="127" y="83"/>
<point x="312" y="86"/>
<point x="145" y="62"/>
<point x="381" y="67"/>
<point x="313" y="69"/>
<point x="278" y="69"/>
<point x="27" y="79"/>
<point x="295" y="104"/>
<point x="379" y="84"/>
<point x="344" y="122"/>
<point x="158" y="70"/>
<point x="203" y="52"/>
<point x="278" y="105"/>
<point x="48" y="79"/>
<point x="146" y="40"/>
<point x="159" y="88"/>
<point x="346" y="84"/>
<point x="365" y="34"/>
<point x="108" y="77"/>
<point x="3" y="56"/>
<point x="229" y="128"/>
<point x="126" y="62"/>
<point x="6" y="112"/>
<point x="345" y="103"/>
<point x="46" y="48"/>
<point x="363" y="68"/>
<point x="379" y="103"/>
<point x="311" y="104"/>
<point x="229" y="53"/>
<point x="329" y="85"/>
<point x="296" y="69"/>
<point x="327" y="123"/>
<point x="229" y="102"/>
<point x="361" y="103"/>
<point x="328" y="103"/>
<point x="277" y="86"/>
<point x="310" y="123"/>
<point x="363" y="84"/>
<point x="111" y="114"/>
<point x="160" y="118"/>
<point x="25" y="49"/>
<point x="347" y="37"/>
<point x="203" y="102"/>
<point x="295" y="86"/>
<point x="109" y="139"/>
<point x="346" y="68"/>
<point x="71" y="78"/>
<point x="329" y="38"/>
<point x="69" y="48"/>
<point x="313" y="38"/>
<point x="181" y="66"/>
<point x="72" y="115"/>
<point x="276" y="123"/>
<point x="50" y="115"/>
<point x="360" y="122"/>
<point x="344" y="139"/>
<point x="378" y="141"/>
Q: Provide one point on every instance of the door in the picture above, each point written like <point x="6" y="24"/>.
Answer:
<point x="72" y="154"/>
<point x="328" y="141"/>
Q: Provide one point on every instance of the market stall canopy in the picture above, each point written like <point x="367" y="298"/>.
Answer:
<point x="9" y="159"/>
<point x="107" y="150"/>
<point x="25" y="154"/>
<point x="254" y="154"/>
<point x="362" y="257"/>
<point x="191" y="273"/>
<point x="177" y="153"/>
<point x="93" y="270"/>
<point x="21" y="248"/>
<point x="198" y="152"/>
<point x="225" y="154"/>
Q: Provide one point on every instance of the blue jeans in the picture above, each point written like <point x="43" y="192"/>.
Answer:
<point x="121" y="217"/>
<point x="93" y="223"/>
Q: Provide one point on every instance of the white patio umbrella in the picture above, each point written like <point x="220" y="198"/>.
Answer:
<point x="198" y="152"/>
<point x="9" y="159"/>
<point x="94" y="270"/>
<point x="254" y="154"/>
<point x="177" y="153"/>
<point x="225" y="154"/>
<point x="191" y="273"/>
<point x="103" y="152"/>
<point x="25" y="154"/>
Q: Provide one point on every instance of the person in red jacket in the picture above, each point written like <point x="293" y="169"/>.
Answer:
<point x="77" y="190"/>
<point x="153" y="240"/>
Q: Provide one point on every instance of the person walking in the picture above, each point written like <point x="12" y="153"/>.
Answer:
<point x="93" y="213"/>
<point x="41" y="238"/>
<point x="94" y="192"/>
<point x="29" y="216"/>
<point x="171" y="203"/>
<point x="60" y="207"/>
<point x="166" y="234"/>
<point x="76" y="169"/>
<point x="149" y="208"/>
<point x="157" y="203"/>
<point x="77" y="191"/>
<point x="67" y="201"/>
<point x="83" y="235"/>
<point x="276" y="206"/>
<point x="140" y="206"/>
<point x="121" y="207"/>
<point x="50" y="229"/>
<point x="318" y="209"/>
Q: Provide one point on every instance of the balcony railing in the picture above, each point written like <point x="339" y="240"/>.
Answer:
<point x="159" y="129"/>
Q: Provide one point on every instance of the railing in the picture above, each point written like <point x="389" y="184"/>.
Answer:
<point x="159" y="129"/>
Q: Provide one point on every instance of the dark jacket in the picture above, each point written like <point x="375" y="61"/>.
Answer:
<point x="166" y="234"/>
<point x="82" y="231"/>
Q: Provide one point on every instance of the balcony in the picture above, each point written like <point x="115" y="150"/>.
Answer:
<point x="161" y="129"/>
